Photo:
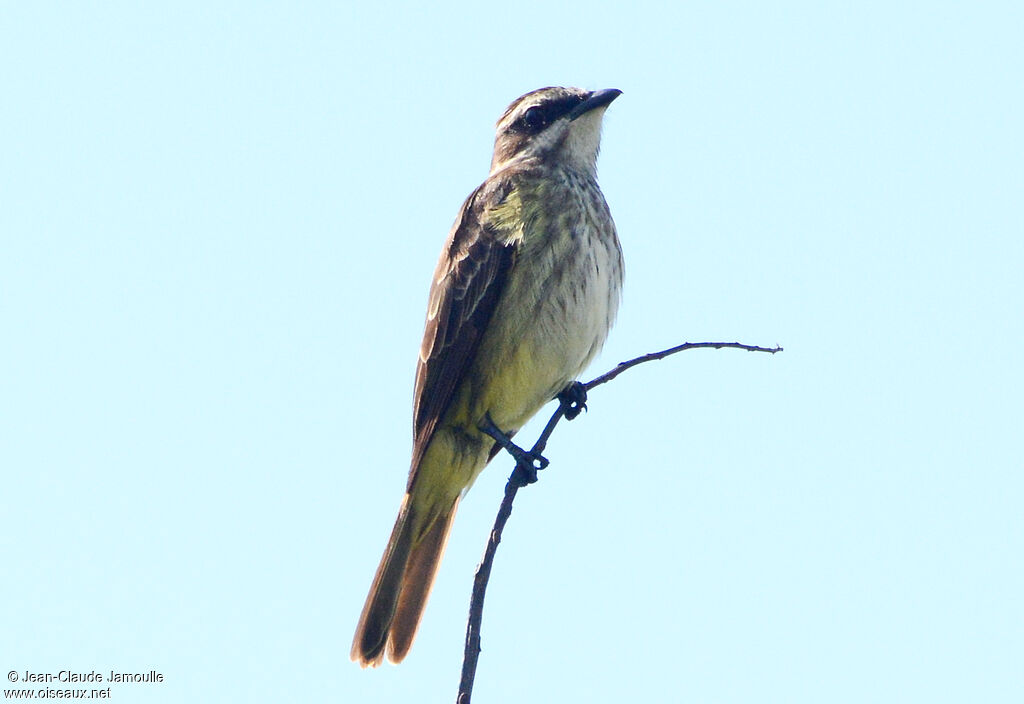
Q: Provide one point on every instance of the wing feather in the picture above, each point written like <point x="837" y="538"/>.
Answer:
<point x="467" y="285"/>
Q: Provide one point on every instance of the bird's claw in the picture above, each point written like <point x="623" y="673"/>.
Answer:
<point x="528" y="462"/>
<point x="573" y="399"/>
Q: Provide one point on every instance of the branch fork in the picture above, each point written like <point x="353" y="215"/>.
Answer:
<point x="571" y="401"/>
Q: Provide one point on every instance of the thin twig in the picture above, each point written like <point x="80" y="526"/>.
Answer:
<point x="623" y="366"/>
<point x="476" y="603"/>
<point x="518" y="479"/>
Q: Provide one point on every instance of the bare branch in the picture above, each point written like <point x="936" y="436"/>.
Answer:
<point x="519" y="478"/>
<point x="476" y="602"/>
<point x="653" y="356"/>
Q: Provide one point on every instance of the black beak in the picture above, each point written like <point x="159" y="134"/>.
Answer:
<point x="597" y="99"/>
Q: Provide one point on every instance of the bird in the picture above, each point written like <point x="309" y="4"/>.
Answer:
<point x="524" y="294"/>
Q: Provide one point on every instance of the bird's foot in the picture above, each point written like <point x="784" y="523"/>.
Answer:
<point x="573" y="399"/>
<point x="528" y="463"/>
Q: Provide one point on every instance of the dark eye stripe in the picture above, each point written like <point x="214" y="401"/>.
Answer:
<point x="540" y="116"/>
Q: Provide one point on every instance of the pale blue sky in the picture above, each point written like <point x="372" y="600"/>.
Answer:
<point x="218" y="226"/>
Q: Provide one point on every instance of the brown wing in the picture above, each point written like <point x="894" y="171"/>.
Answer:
<point x="467" y="284"/>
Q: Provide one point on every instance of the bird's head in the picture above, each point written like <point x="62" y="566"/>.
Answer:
<point x="553" y="124"/>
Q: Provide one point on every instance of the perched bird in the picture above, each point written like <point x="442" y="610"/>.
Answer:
<point x="524" y="293"/>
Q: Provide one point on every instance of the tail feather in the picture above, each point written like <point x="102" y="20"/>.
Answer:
<point x="400" y="588"/>
<point x="375" y="622"/>
<point x="420" y="571"/>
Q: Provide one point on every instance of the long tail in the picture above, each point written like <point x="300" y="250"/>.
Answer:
<point x="401" y="587"/>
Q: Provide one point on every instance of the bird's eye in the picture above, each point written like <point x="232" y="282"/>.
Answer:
<point x="534" y="119"/>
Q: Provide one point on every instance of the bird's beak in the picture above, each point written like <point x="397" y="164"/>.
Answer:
<point x="597" y="99"/>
